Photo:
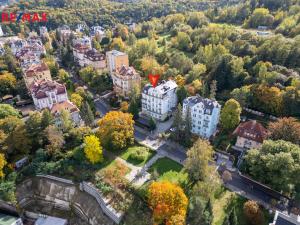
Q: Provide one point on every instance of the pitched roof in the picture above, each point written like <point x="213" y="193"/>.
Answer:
<point x="81" y="48"/>
<point x="251" y="130"/>
<point x="94" y="55"/>
<point x="40" y="88"/>
<point x="208" y="104"/>
<point x="162" y="88"/>
<point x="66" y="105"/>
<point x="284" y="219"/>
<point x="36" y="68"/>
<point x="126" y="71"/>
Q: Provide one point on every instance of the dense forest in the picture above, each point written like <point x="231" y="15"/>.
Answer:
<point x="217" y="50"/>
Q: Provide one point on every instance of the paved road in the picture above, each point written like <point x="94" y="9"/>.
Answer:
<point x="236" y="184"/>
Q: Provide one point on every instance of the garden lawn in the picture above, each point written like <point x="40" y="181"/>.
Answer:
<point x="224" y="204"/>
<point x="131" y="150"/>
<point x="164" y="165"/>
<point x="165" y="169"/>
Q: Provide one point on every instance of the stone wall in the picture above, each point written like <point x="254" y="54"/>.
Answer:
<point x="61" y="195"/>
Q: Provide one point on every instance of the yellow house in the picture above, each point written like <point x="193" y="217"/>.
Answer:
<point x="116" y="60"/>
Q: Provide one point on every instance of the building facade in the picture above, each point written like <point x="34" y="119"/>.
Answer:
<point x="116" y="59"/>
<point x="57" y="108"/>
<point x="94" y="59"/>
<point x="78" y="52"/>
<point x="125" y="79"/>
<point x="204" y="114"/>
<point x="159" y="102"/>
<point x="250" y="134"/>
<point x="46" y="93"/>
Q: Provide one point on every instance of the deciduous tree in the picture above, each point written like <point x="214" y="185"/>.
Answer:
<point x="286" y="128"/>
<point x="2" y="164"/>
<point x="7" y="83"/>
<point x="253" y="213"/>
<point x="116" y="130"/>
<point x="93" y="149"/>
<point x="168" y="203"/>
<point x="197" y="162"/>
<point x="8" y="110"/>
<point x="230" y="115"/>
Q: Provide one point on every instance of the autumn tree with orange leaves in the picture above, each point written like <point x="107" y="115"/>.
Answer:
<point x="116" y="130"/>
<point x="168" y="202"/>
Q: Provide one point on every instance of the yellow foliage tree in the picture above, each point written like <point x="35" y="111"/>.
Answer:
<point x="76" y="99"/>
<point x="118" y="44"/>
<point x="168" y="202"/>
<point x="116" y="130"/>
<point x="2" y="164"/>
<point x="180" y="80"/>
<point x="93" y="149"/>
<point x="150" y="65"/>
<point x="124" y="106"/>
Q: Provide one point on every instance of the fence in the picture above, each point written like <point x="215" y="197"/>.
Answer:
<point x="56" y="179"/>
<point x="107" y="209"/>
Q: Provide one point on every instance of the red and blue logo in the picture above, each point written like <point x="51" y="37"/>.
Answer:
<point x="23" y="17"/>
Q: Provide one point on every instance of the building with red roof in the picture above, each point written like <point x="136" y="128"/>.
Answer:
<point x="250" y="134"/>
<point x="45" y="93"/>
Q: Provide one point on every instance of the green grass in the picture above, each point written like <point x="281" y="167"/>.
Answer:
<point x="164" y="165"/>
<point x="126" y="155"/>
<point x="224" y="204"/>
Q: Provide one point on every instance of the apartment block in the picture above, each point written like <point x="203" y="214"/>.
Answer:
<point x="159" y="102"/>
<point x="204" y="114"/>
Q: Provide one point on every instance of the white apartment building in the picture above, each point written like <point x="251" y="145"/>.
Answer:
<point x="158" y="102"/>
<point x="205" y="115"/>
<point x="116" y="59"/>
<point x="45" y="93"/>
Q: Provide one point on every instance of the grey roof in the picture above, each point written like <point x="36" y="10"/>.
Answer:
<point x="282" y="221"/>
<point x="208" y="103"/>
<point x="117" y="53"/>
<point x="162" y="88"/>
<point x="49" y="220"/>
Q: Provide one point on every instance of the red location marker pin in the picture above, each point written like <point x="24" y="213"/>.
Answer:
<point x="153" y="79"/>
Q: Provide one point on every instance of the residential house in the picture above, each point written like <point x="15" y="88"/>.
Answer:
<point x="64" y="33"/>
<point x="43" y="31"/>
<point x="80" y="28"/>
<point x="204" y="114"/>
<point x="35" y="73"/>
<point x="46" y="93"/>
<point x="33" y="38"/>
<point x="116" y="59"/>
<point x="57" y="108"/>
<point x="284" y="219"/>
<point x="98" y="32"/>
<point x="34" y="48"/>
<point x="26" y="59"/>
<point x="78" y="52"/>
<point x="17" y="45"/>
<point x="86" y="41"/>
<point x="125" y="79"/>
<point x="94" y="59"/>
<point x="158" y="102"/>
<point x="250" y="134"/>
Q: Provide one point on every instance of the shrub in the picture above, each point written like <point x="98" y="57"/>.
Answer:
<point x="139" y="155"/>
